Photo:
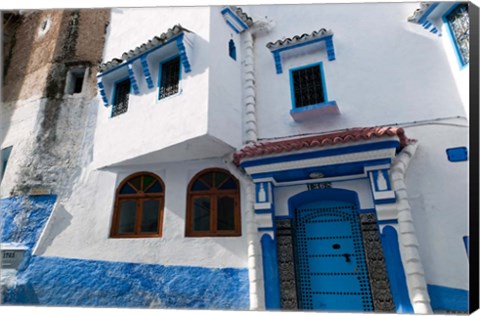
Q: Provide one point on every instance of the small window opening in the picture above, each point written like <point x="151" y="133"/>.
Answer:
<point x="308" y="86"/>
<point x="232" y="51"/>
<point x="120" y="102"/>
<point x="44" y="25"/>
<point x="75" y="78"/>
<point x="5" y="155"/>
<point x="170" y="78"/>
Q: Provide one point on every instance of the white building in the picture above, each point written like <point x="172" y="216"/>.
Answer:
<point x="262" y="157"/>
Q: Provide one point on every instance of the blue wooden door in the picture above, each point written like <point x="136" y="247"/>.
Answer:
<point x="330" y="261"/>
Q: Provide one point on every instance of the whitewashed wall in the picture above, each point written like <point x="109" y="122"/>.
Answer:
<point x="149" y="124"/>
<point x="387" y="70"/>
<point x="80" y="226"/>
<point x="438" y="194"/>
<point x="18" y="121"/>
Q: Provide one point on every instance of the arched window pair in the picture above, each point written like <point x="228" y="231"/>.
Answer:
<point x="213" y="205"/>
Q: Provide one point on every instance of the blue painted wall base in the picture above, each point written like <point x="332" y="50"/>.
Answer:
<point x="446" y="299"/>
<point x="52" y="281"/>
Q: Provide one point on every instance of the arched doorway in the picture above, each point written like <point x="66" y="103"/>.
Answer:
<point x="330" y="256"/>
<point x="330" y="261"/>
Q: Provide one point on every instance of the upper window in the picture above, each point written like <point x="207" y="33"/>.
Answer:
<point x="139" y="202"/>
<point x="232" y="51"/>
<point x="459" y="24"/>
<point x="169" y="78"/>
<point x="213" y="207"/>
<point x="308" y="86"/>
<point x="120" y="98"/>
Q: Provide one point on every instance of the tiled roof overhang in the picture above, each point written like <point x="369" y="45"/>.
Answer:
<point x="296" y="144"/>
<point x="298" y="39"/>
<point x="145" y="47"/>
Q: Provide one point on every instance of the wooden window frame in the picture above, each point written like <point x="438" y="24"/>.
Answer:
<point x="139" y="198"/>
<point x="214" y="194"/>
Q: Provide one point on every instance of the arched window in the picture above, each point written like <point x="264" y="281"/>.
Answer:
<point x="232" y="51"/>
<point x="213" y="205"/>
<point x="139" y="202"/>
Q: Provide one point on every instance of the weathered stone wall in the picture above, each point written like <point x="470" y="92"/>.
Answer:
<point x="46" y="45"/>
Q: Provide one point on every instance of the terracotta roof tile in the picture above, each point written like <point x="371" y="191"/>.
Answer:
<point x="342" y="137"/>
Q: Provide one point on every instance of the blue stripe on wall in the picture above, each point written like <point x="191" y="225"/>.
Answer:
<point x="448" y="299"/>
<point x="55" y="281"/>
<point x="396" y="274"/>
<point x="270" y="273"/>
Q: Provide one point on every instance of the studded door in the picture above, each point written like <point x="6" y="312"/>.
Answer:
<point x="330" y="262"/>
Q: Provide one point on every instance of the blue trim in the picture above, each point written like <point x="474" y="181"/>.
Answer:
<point x="334" y="170"/>
<point x="266" y="229"/>
<point x="182" y="51"/>
<point x="366" y="211"/>
<point x="147" y="52"/>
<point x="312" y="196"/>
<point x="289" y="216"/>
<point x="235" y="17"/>
<point x="387" y="221"/>
<point x="270" y="272"/>
<point x="323" y="153"/>
<point x="385" y="201"/>
<point x="395" y="271"/>
<point x="232" y="50"/>
<point x="101" y="89"/>
<point x="160" y="75"/>
<point x="146" y="72"/>
<point x="457" y="154"/>
<point x="329" y="47"/>
<point x="232" y="27"/>
<point x="423" y="18"/>
<point x="324" y="86"/>
<point x="133" y="81"/>
<point x="264" y="211"/>
<point x="445" y="298"/>
<point x="461" y="64"/>
<point x="466" y="243"/>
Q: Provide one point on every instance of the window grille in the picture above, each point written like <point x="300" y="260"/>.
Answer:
<point x="170" y="78"/>
<point x="459" y="23"/>
<point x="122" y="92"/>
<point x="308" y="86"/>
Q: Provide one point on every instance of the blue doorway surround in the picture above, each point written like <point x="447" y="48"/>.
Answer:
<point x="334" y="257"/>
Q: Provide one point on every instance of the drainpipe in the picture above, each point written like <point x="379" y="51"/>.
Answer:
<point x="260" y="27"/>
<point x="414" y="273"/>
<point x="251" y="229"/>
<point x="249" y="88"/>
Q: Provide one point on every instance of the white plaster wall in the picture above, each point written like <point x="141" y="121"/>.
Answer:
<point x="360" y="186"/>
<point x="80" y="226"/>
<point x="150" y="125"/>
<point x="387" y="70"/>
<point x="225" y="117"/>
<point x="438" y="192"/>
<point x="18" y="122"/>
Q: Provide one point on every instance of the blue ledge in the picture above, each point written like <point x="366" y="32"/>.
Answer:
<point x="233" y="21"/>
<point x="329" y="47"/>
<point x="305" y="113"/>
<point x="457" y="154"/>
<point x="133" y="81"/>
<point x="101" y="89"/>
